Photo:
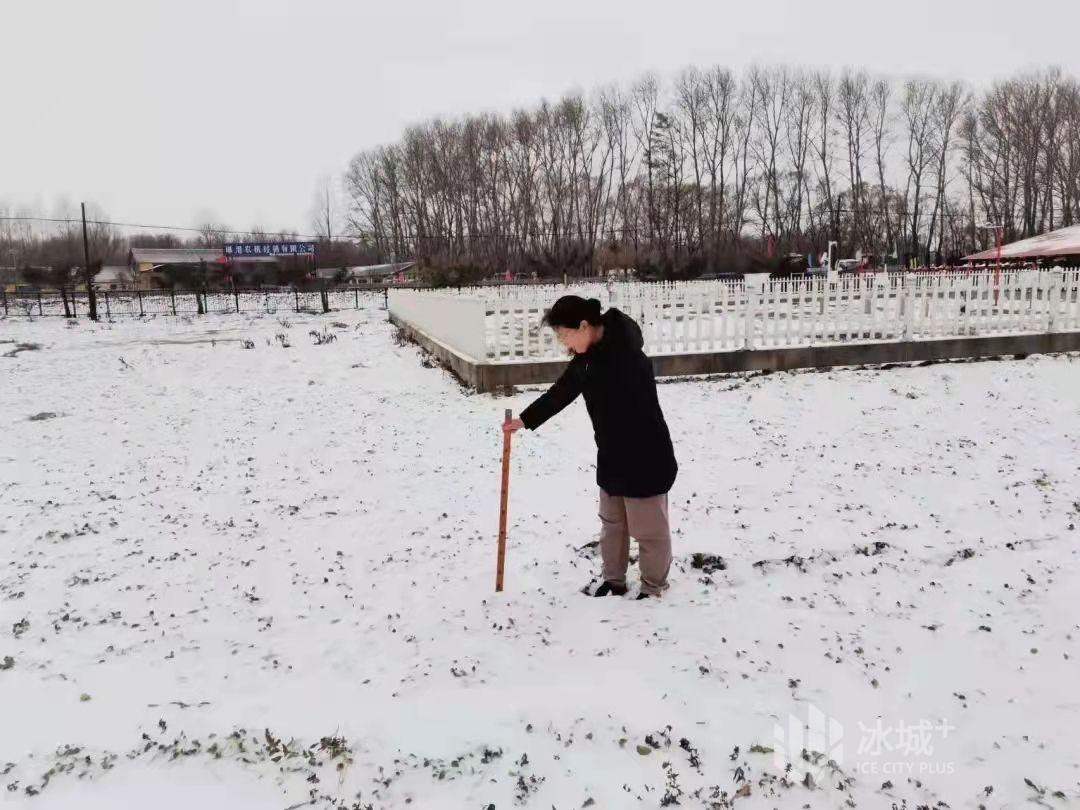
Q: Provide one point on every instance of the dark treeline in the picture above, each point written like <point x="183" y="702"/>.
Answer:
<point x="52" y="254"/>
<point x="717" y="169"/>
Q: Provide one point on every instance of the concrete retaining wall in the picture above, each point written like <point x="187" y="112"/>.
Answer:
<point x="492" y="376"/>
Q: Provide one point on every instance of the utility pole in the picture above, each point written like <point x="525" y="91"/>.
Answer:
<point x="329" y="233"/>
<point x="85" y="241"/>
<point x="88" y="274"/>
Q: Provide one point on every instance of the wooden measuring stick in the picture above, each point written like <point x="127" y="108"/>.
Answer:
<point x="502" y="504"/>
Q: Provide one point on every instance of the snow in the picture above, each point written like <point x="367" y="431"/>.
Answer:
<point x="299" y="542"/>
<point x="179" y="787"/>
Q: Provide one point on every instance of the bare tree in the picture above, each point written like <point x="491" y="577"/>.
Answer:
<point x="646" y="98"/>
<point x="853" y="115"/>
<point x="772" y="88"/>
<point x="616" y="112"/>
<point x="918" y="109"/>
<point x="1067" y="167"/>
<point x="718" y="145"/>
<point x="692" y="104"/>
<point x="948" y="110"/>
<point x="213" y="235"/>
<point x="744" y="129"/>
<point x="325" y="210"/>
<point x="800" y="120"/>
<point x="880" y="128"/>
<point x="823" y="145"/>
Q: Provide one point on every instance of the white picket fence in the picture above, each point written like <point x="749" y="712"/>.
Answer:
<point x="758" y="313"/>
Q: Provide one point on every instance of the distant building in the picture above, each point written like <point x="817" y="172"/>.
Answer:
<point x="114" y="277"/>
<point x="13" y="279"/>
<point x="372" y="274"/>
<point x="153" y="268"/>
<point x="1057" y="247"/>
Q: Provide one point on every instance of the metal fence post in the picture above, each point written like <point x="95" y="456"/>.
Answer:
<point x="356" y="294"/>
<point x="172" y="294"/>
<point x="141" y="313"/>
<point x="40" y="312"/>
<point x="108" y="314"/>
<point x="296" y="296"/>
<point x="236" y="298"/>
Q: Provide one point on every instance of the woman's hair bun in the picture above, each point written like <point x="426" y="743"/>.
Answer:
<point x="570" y="310"/>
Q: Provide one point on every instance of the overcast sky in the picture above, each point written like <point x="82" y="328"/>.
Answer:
<point x="172" y="112"/>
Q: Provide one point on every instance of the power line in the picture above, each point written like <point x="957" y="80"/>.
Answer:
<point x="567" y="233"/>
<point x="405" y="234"/>
<point x="188" y="229"/>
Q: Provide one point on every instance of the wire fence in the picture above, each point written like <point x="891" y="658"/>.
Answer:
<point x="151" y="303"/>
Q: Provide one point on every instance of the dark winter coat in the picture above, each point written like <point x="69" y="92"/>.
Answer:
<point x="634" y="456"/>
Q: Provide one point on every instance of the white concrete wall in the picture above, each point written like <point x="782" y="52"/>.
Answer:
<point x="454" y="320"/>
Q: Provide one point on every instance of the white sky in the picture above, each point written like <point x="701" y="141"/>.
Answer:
<point x="170" y="112"/>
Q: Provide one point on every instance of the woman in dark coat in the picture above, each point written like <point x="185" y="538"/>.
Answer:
<point x="635" y="462"/>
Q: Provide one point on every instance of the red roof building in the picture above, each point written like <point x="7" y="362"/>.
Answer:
<point x="1059" y="244"/>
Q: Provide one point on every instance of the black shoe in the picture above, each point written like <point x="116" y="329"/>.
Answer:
<point x="641" y="596"/>
<point x="610" y="589"/>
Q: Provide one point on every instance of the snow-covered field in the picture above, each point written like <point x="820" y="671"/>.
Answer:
<point x="243" y="578"/>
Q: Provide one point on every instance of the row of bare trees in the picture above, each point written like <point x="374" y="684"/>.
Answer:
<point x="57" y="259"/>
<point x="49" y="252"/>
<point x="699" y="173"/>
<point x="28" y="242"/>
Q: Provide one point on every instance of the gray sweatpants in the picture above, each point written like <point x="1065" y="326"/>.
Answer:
<point x="646" y="520"/>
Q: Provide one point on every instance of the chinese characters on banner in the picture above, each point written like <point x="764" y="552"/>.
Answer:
<point x="241" y="249"/>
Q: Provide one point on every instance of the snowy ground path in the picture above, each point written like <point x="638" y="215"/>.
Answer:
<point x="298" y="543"/>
